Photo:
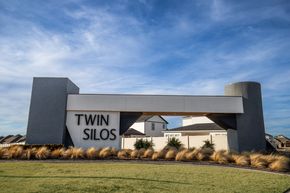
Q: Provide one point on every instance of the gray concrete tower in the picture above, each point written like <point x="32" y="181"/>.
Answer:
<point x="47" y="114"/>
<point x="250" y="132"/>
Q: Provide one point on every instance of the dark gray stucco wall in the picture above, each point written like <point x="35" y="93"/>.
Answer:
<point x="47" y="114"/>
<point x="250" y="132"/>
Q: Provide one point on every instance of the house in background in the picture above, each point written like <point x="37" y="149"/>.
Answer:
<point x="284" y="142"/>
<point x="12" y="139"/>
<point x="196" y="130"/>
<point x="190" y="120"/>
<point x="133" y="133"/>
<point x="148" y="125"/>
<point x="200" y="128"/>
<point x="201" y="132"/>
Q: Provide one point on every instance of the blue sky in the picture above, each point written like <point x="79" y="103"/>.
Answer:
<point x="152" y="47"/>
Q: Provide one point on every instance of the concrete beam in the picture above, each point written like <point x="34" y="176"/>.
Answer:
<point x="162" y="104"/>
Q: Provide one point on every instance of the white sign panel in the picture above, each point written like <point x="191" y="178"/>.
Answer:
<point x="94" y="129"/>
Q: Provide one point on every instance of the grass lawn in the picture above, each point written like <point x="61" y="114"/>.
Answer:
<point x="25" y="176"/>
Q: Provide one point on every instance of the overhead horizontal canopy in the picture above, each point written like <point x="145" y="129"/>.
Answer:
<point x="155" y="104"/>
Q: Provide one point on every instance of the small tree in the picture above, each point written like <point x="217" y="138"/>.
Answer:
<point x="207" y="144"/>
<point x="174" y="142"/>
<point x="140" y="143"/>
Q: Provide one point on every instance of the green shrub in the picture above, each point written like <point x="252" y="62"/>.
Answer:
<point x="174" y="142"/>
<point x="207" y="144"/>
<point x="143" y="144"/>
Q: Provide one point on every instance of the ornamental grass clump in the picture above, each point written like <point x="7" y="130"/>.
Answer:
<point x="57" y="153"/>
<point x="68" y="153"/>
<point x="202" y="154"/>
<point x="181" y="155"/>
<point x="190" y="155"/>
<point x="124" y="154"/>
<point x="258" y="160"/>
<point x="271" y="158"/>
<point x="77" y="153"/>
<point x="141" y="152"/>
<point x="221" y="157"/>
<point x="17" y="152"/>
<point x="105" y="153"/>
<point x="5" y="154"/>
<point x="91" y="153"/>
<point x="241" y="160"/>
<point x="114" y="151"/>
<point x="148" y="153"/>
<point x="134" y="154"/>
<point x="281" y="164"/>
<point x="2" y="152"/>
<point x="159" y="154"/>
<point x="170" y="154"/>
<point x="13" y="152"/>
<point x="28" y="154"/>
<point x="42" y="153"/>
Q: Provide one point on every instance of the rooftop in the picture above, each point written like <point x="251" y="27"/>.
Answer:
<point x="197" y="127"/>
<point x="132" y="131"/>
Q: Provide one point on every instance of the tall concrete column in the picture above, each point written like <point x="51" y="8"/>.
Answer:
<point x="250" y="132"/>
<point x="47" y="114"/>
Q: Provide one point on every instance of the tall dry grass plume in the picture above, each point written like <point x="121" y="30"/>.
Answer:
<point x="181" y="155"/>
<point x="202" y="154"/>
<point x="141" y="152"/>
<point x="68" y="153"/>
<point x="2" y="151"/>
<point x="221" y="157"/>
<point x="148" y="153"/>
<point x="91" y="153"/>
<point x="190" y="155"/>
<point x="124" y="153"/>
<point x="5" y="154"/>
<point x="258" y="160"/>
<point x="137" y="153"/>
<point x="114" y="151"/>
<point x="281" y="164"/>
<point x="159" y="154"/>
<point x="77" y="153"/>
<point x="170" y="154"/>
<point x="42" y="153"/>
<point x="271" y="158"/>
<point x="57" y="153"/>
<point x="241" y="160"/>
<point x="134" y="154"/>
<point x="105" y="152"/>
<point x="17" y="152"/>
<point x="13" y="152"/>
<point x="28" y="154"/>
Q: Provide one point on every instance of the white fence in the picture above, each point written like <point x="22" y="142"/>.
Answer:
<point x="220" y="141"/>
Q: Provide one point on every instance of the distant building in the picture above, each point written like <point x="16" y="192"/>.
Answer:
<point x="190" y="120"/>
<point x="195" y="130"/>
<point x="13" y="139"/>
<point x="200" y="127"/>
<point x="133" y="133"/>
<point x="284" y="142"/>
<point x="211" y="131"/>
<point x="149" y="126"/>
